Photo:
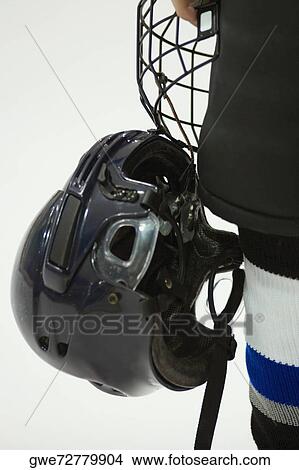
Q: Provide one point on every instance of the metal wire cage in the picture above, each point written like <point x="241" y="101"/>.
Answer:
<point x="173" y="67"/>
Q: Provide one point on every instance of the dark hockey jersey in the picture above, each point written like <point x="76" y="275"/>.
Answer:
<point x="248" y="157"/>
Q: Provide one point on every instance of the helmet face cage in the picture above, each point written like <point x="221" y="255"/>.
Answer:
<point x="176" y="57"/>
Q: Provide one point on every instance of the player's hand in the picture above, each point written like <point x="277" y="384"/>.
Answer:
<point x="185" y="10"/>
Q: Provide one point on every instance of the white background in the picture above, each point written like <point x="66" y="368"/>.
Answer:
<point x="91" y="45"/>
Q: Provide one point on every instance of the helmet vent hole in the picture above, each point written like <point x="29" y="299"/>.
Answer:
<point x="123" y="242"/>
<point x="44" y="343"/>
<point x="62" y="349"/>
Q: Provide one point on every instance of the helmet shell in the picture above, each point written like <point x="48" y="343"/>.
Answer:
<point x="58" y="299"/>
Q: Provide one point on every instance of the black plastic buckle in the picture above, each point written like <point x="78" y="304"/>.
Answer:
<point x="227" y="343"/>
<point x="205" y="7"/>
<point x="152" y="200"/>
<point x="231" y="348"/>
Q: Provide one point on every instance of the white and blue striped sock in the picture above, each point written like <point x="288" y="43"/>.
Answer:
<point x="272" y="354"/>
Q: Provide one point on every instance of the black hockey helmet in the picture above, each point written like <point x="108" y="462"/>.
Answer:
<point x="125" y="241"/>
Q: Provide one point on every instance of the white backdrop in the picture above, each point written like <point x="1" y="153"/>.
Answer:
<point x="91" y="45"/>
